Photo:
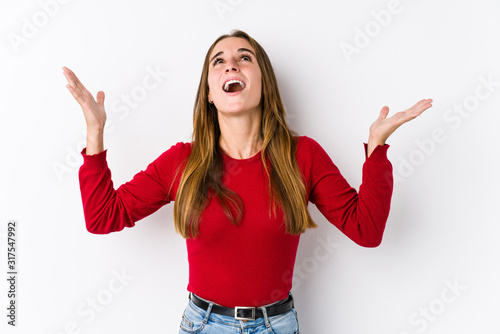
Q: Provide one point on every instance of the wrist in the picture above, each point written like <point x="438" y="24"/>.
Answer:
<point x="374" y="141"/>
<point x="95" y="141"/>
<point x="95" y="135"/>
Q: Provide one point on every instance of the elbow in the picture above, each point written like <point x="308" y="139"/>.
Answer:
<point x="97" y="227"/>
<point x="371" y="237"/>
<point x="370" y="242"/>
<point x="106" y="225"/>
<point x="94" y="230"/>
<point x="106" y="220"/>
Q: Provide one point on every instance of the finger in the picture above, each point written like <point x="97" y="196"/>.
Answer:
<point x="75" y="92"/>
<point x="74" y="82"/>
<point x="422" y="106"/>
<point x="419" y="108"/>
<point x="384" y="112"/>
<point x="75" y="79"/>
<point x="78" y="82"/>
<point x="424" y="103"/>
<point x="415" y="106"/>
<point x="69" y="78"/>
<point x="100" y="97"/>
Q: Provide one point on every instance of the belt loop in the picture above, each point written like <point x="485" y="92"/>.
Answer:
<point x="266" y="319"/>
<point x="207" y="315"/>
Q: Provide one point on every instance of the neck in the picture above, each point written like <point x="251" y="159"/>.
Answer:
<point x="240" y="134"/>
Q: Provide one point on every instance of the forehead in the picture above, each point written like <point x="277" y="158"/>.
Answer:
<point x="231" y="44"/>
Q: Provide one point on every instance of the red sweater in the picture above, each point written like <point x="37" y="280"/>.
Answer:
<point x="250" y="264"/>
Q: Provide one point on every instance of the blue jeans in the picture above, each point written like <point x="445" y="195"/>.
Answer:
<point x="197" y="320"/>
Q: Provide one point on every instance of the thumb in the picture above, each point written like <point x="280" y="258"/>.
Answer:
<point x="384" y="112"/>
<point x="100" y="97"/>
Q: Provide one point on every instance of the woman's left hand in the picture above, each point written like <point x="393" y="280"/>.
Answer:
<point x="383" y="127"/>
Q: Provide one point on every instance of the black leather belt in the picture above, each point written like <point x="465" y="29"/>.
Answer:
<point x="246" y="313"/>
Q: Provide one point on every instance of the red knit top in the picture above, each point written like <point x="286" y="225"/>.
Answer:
<point x="250" y="264"/>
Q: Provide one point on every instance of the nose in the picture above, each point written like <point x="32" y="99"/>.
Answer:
<point x="232" y="66"/>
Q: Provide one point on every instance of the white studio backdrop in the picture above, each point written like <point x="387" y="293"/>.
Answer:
<point x="337" y="63"/>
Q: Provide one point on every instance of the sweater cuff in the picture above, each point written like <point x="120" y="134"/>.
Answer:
<point x="379" y="153"/>
<point x="94" y="161"/>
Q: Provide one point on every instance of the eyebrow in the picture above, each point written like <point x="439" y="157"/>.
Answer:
<point x="239" y="50"/>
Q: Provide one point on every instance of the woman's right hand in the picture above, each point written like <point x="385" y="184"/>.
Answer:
<point x="93" y="110"/>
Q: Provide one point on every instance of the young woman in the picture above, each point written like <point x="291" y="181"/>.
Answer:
<point x="241" y="189"/>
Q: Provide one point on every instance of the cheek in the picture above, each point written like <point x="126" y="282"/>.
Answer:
<point x="212" y="86"/>
<point x="258" y="86"/>
<point x="212" y="81"/>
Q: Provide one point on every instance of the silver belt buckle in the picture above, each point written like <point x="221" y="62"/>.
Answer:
<point x="244" y="308"/>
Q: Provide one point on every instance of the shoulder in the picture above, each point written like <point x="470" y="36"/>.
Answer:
<point x="177" y="153"/>
<point x="307" y="147"/>
<point x="306" y="141"/>
<point x="179" y="148"/>
<point x="182" y="148"/>
<point x="313" y="161"/>
<point x="311" y="156"/>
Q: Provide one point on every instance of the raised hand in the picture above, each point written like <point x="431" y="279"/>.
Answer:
<point x="383" y="127"/>
<point x="93" y="110"/>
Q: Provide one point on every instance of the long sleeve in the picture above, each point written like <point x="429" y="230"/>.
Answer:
<point x="362" y="215"/>
<point x="108" y="210"/>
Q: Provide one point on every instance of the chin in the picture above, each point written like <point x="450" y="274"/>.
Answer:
<point x="236" y="108"/>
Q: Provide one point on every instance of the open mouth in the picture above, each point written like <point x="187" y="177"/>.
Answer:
<point x="233" y="85"/>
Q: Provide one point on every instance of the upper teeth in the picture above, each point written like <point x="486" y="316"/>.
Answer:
<point x="226" y="85"/>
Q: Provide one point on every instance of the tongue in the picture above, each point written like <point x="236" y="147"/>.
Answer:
<point x="234" y="87"/>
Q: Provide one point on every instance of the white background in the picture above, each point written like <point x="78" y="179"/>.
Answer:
<point x="444" y="224"/>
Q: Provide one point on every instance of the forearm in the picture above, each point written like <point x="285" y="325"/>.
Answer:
<point x="366" y="213"/>
<point x="362" y="215"/>
<point x="103" y="208"/>
<point x="374" y="199"/>
<point x="108" y="210"/>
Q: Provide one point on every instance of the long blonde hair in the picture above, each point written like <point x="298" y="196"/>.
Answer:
<point x="201" y="178"/>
